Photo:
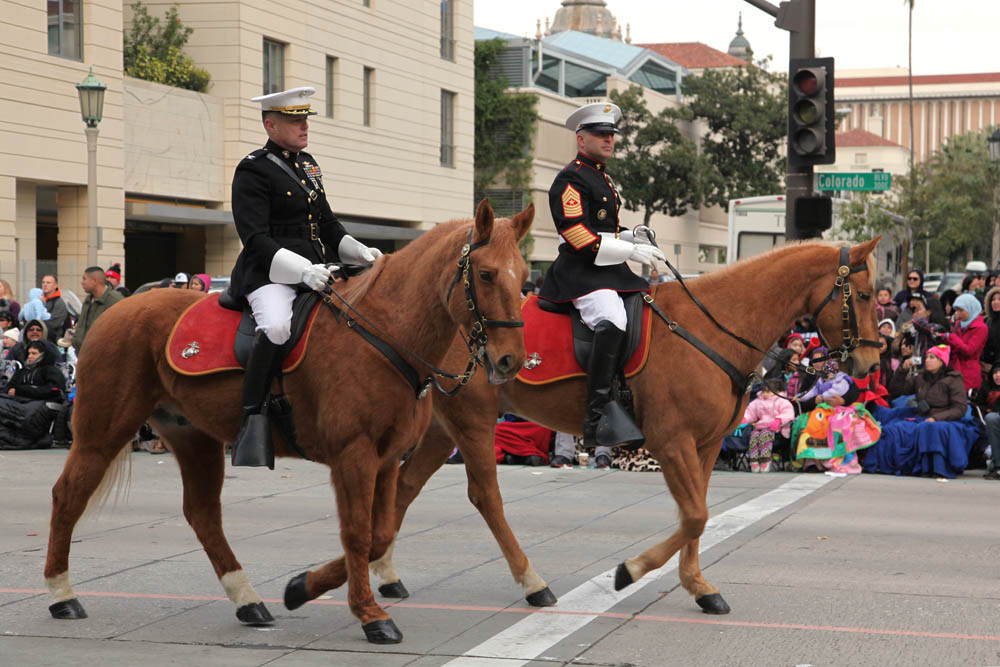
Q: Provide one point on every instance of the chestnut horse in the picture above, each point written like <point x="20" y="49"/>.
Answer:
<point x="684" y="402"/>
<point x="353" y="410"/>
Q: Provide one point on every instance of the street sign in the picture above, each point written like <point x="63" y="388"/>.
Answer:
<point x="875" y="181"/>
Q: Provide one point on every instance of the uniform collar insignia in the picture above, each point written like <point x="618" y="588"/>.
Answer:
<point x="590" y="163"/>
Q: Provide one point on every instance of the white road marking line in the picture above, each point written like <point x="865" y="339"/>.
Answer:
<point x="529" y="638"/>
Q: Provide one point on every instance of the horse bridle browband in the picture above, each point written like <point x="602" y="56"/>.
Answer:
<point x="475" y="341"/>
<point x="851" y="339"/>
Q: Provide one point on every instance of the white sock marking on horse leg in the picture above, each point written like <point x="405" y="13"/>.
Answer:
<point x="530" y="637"/>
<point x="531" y="582"/>
<point x="59" y="587"/>
<point x="383" y="569"/>
<point x="238" y="588"/>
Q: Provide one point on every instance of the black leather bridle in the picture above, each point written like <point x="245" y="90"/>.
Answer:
<point x="742" y="383"/>
<point x="476" y="339"/>
<point x="850" y="338"/>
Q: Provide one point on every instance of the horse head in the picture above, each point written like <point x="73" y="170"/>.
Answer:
<point x="844" y="309"/>
<point x="490" y="309"/>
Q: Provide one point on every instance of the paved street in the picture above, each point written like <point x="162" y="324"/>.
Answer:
<point x="819" y="571"/>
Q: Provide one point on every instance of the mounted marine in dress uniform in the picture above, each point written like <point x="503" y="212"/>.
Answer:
<point x="590" y="270"/>
<point x="289" y="234"/>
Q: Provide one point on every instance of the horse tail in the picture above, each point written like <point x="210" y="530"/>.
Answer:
<point x="117" y="481"/>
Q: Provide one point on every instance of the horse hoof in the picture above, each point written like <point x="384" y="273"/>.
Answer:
<point x="542" y="598"/>
<point x="254" y="614"/>
<point x="67" y="610"/>
<point x="713" y="604"/>
<point x="295" y="592"/>
<point x="622" y="577"/>
<point x="382" y="632"/>
<point x="396" y="589"/>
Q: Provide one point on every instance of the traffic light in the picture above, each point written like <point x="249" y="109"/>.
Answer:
<point x="813" y="216"/>
<point x="811" y="118"/>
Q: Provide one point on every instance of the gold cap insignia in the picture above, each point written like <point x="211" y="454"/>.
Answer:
<point x="607" y="108"/>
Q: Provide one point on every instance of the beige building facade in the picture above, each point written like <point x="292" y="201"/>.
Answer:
<point x="394" y="132"/>
<point x="945" y="105"/>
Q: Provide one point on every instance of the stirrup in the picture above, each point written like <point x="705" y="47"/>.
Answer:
<point x="616" y="428"/>
<point x="253" y="445"/>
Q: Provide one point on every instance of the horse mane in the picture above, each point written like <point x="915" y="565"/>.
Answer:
<point x="357" y="287"/>
<point x="766" y="258"/>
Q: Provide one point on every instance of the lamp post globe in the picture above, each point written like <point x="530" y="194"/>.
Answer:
<point x="91" y="92"/>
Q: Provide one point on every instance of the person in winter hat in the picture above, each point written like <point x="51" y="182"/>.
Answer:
<point x="35" y="308"/>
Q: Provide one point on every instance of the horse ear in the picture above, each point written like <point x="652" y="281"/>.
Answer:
<point x="859" y="253"/>
<point x="484" y="221"/>
<point x="522" y="221"/>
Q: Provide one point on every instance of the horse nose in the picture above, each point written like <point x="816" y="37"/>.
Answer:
<point x="505" y="364"/>
<point x="873" y="368"/>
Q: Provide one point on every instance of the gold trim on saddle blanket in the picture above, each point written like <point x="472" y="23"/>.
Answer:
<point x="304" y="341"/>
<point x="646" y="343"/>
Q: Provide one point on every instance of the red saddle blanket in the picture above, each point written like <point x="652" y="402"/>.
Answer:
<point x="202" y="339"/>
<point x="548" y="340"/>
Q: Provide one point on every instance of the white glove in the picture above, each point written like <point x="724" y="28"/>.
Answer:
<point x="290" y="268"/>
<point x="616" y="251"/>
<point x="352" y="251"/>
<point x="646" y="254"/>
<point x="315" y="276"/>
<point x="626" y="235"/>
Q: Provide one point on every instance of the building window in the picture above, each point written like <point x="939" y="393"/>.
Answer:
<point x="368" y="110"/>
<point x="64" y="29"/>
<point x="447" y="129"/>
<point x="448" y="30"/>
<point x="274" y="67"/>
<point x="331" y="75"/>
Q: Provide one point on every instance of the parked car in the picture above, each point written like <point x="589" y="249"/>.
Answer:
<point x="931" y="281"/>
<point x="948" y="281"/>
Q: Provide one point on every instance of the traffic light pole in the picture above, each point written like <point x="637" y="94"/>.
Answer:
<point x="798" y="17"/>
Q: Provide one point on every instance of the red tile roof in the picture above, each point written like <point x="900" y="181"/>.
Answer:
<point x="694" y="55"/>
<point x="929" y="79"/>
<point x="857" y="138"/>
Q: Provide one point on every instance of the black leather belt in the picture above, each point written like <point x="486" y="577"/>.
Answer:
<point x="309" y="232"/>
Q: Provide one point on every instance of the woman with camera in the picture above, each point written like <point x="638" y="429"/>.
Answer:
<point x="940" y="391"/>
<point x="967" y="340"/>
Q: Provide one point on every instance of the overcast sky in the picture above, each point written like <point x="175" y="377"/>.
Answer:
<point x="949" y="36"/>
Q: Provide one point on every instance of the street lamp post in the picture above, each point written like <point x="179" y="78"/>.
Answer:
<point x="91" y="92"/>
<point x="994" y="142"/>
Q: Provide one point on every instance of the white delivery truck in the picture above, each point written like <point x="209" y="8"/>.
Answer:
<point x="757" y="224"/>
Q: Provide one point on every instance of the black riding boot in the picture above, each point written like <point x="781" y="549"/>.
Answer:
<point x="253" y="445"/>
<point x="607" y="423"/>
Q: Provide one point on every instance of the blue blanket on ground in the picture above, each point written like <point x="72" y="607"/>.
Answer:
<point x="909" y="446"/>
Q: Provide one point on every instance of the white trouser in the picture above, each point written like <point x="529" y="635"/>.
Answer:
<point x="604" y="304"/>
<point x="272" y="308"/>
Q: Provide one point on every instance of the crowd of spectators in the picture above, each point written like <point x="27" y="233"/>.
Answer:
<point x="41" y="339"/>
<point x="934" y="408"/>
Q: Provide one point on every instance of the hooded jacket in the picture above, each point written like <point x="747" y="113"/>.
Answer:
<point x="763" y="411"/>
<point x="903" y="295"/>
<point x="967" y="345"/>
<point x="991" y="351"/>
<point x="41" y="381"/>
<point x="19" y="352"/>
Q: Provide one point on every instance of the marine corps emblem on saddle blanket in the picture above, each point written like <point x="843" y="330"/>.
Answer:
<point x="548" y="342"/>
<point x="204" y="336"/>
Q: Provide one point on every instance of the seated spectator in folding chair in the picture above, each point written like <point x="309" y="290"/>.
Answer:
<point x="769" y="415"/>
<point x="33" y="330"/>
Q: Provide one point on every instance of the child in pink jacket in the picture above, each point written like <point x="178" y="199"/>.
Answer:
<point x="769" y="414"/>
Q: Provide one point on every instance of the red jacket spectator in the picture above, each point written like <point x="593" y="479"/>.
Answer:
<point x="967" y="340"/>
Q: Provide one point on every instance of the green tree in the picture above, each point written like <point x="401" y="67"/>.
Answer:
<point x="745" y="110"/>
<point x="659" y="169"/>
<point x="153" y="50"/>
<point x="504" y="131"/>
<point x="948" y="199"/>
